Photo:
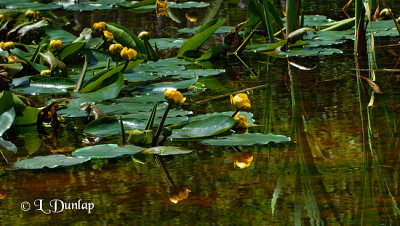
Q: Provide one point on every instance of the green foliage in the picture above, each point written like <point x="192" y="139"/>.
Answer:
<point x="50" y="161"/>
<point x="246" y="139"/>
<point x="106" y="151"/>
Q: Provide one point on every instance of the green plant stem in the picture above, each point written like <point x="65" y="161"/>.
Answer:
<point x="165" y="170"/>
<point x="159" y="129"/>
<point x="4" y="156"/>
<point x="126" y="65"/>
<point x="123" y="136"/>
<point x="162" y="141"/>
<point x="235" y="113"/>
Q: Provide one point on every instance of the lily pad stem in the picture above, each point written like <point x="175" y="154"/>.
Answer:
<point x="3" y="156"/>
<point x="126" y="65"/>
<point x="159" y="129"/>
<point x="160" y="160"/>
<point x="235" y="113"/>
<point x="123" y="136"/>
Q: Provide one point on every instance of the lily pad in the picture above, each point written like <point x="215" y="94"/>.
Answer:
<point x="50" y="161"/>
<point x="167" y="43"/>
<point x="220" y="30"/>
<point x="166" y="150"/>
<point x="248" y="115"/>
<point x="204" y="128"/>
<point x="106" y="151"/>
<point x="110" y="125"/>
<point x="88" y="6"/>
<point x="309" y="52"/>
<point x="246" y="139"/>
<point x="32" y="5"/>
<point x="160" y="87"/>
<point x="59" y="34"/>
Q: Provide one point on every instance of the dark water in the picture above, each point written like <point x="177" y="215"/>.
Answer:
<point x="341" y="167"/>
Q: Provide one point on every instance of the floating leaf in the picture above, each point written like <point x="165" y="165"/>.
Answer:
<point x="246" y="139"/>
<point x="106" y="151"/>
<point x="29" y="116"/>
<point x="248" y="115"/>
<point x="6" y="120"/>
<point x="71" y="50"/>
<point x="166" y="150"/>
<point x="54" y="33"/>
<point x="204" y="128"/>
<point x="220" y="30"/>
<point x="51" y="161"/>
<point x="8" y="145"/>
<point x="309" y="52"/>
<point x="167" y="43"/>
<point x="32" y="5"/>
<point x="160" y="87"/>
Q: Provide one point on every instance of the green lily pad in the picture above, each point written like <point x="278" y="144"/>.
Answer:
<point x="143" y="99"/>
<point x="160" y="87"/>
<point x="204" y="128"/>
<point x="8" y="145"/>
<point x="167" y="43"/>
<point x="88" y="6"/>
<point x="7" y="2"/>
<point x="6" y="120"/>
<point x="246" y="139"/>
<point x="50" y="161"/>
<point x="166" y="150"/>
<point x="309" y="52"/>
<point x="248" y="115"/>
<point x="106" y="151"/>
<point x="32" y="5"/>
<point x="187" y="5"/>
<point x="220" y="30"/>
<point x="46" y="85"/>
<point x="198" y="72"/>
<point x="54" y="33"/>
<point x="29" y="116"/>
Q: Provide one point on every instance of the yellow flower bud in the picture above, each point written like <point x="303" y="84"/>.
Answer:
<point x="174" y="97"/>
<point x="109" y="36"/>
<point x="7" y="45"/>
<point x="31" y="14"/>
<point x="100" y="26"/>
<point x="128" y="54"/>
<point x="56" y="44"/>
<point x="3" y="194"/>
<point x="13" y="59"/>
<point x="178" y="194"/>
<point x="241" y="122"/>
<point x="144" y="34"/>
<point x="242" y="160"/>
<point x="115" y="48"/>
<point x="45" y="72"/>
<point x="241" y="101"/>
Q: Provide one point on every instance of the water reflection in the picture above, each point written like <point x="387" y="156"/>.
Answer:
<point x="177" y="192"/>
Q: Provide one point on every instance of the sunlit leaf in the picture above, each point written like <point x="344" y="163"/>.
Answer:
<point x="54" y="33"/>
<point x="51" y="161"/>
<point x="204" y="128"/>
<point x="166" y="150"/>
<point x="110" y="125"/>
<point x="309" y="52"/>
<point x="220" y="30"/>
<point x="106" y="151"/>
<point x="29" y="116"/>
<point x="126" y="37"/>
<point x="246" y="139"/>
<point x="71" y="50"/>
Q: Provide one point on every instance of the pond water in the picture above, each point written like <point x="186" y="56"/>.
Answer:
<point x="340" y="168"/>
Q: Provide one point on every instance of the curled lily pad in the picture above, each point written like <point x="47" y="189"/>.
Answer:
<point x="246" y="139"/>
<point x="204" y="128"/>
<point x="50" y="161"/>
<point x="106" y="151"/>
<point x="166" y="150"/>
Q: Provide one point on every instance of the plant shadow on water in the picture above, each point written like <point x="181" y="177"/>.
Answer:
<point x="340" y="166"/>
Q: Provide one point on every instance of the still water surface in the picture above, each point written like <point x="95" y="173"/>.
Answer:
<point x="341" y="167"/>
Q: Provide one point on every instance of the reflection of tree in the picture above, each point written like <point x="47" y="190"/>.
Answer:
<point x="177" y="192"/>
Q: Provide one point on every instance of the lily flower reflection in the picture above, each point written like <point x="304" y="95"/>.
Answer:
<point x="178" y="193"/>
<point x="3" y="194"/>
<point x="161" y="8"/>
<point x="242" y="160"/>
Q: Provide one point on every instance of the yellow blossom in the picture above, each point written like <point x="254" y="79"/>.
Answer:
<point x="56" y="44"/>
<point x="115" y="48"/>
<point x="100" y="26"/>
<point x="242" y="160"/>
<point x="191" y="19"/>
<point x="178" y="194"/>
<point x="128" y="54"/>
<point x="45" y="72"/>
<point x="174" y="97"/>
<point x="109" y="36"/>
<point x="3" y="194"/>
<point x="6" y="46"/>
<point x="13" y="59"/>
<point x="161" y="8"/>
<point x="31" y="14"/>
<point x="241" y="122"/>
<point x="241" y="101"/>
<point x="144" y="34"/>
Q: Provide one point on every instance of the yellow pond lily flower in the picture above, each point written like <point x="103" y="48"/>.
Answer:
<point x="178" y="194"/>
<point x="100" y="26"/>
<point x="242" y="160"/>
<point x="128" y="54"/>
<point x="13" y="59"/>
<point x="115" y="48"/>
<point x="45" y="72"/>
<point x="56" y="44"/>
<point x="144" y="34"/>
<point x="241" y="101"/>
<point x="241" y="122"/>
<point x="32" y="14"/>
<point x="3" y="194"/>
<point x="174" y="97"/>
<point x="161" y="8"/>
<point x="6" y="46"/>
<point x="109" y="36"/>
